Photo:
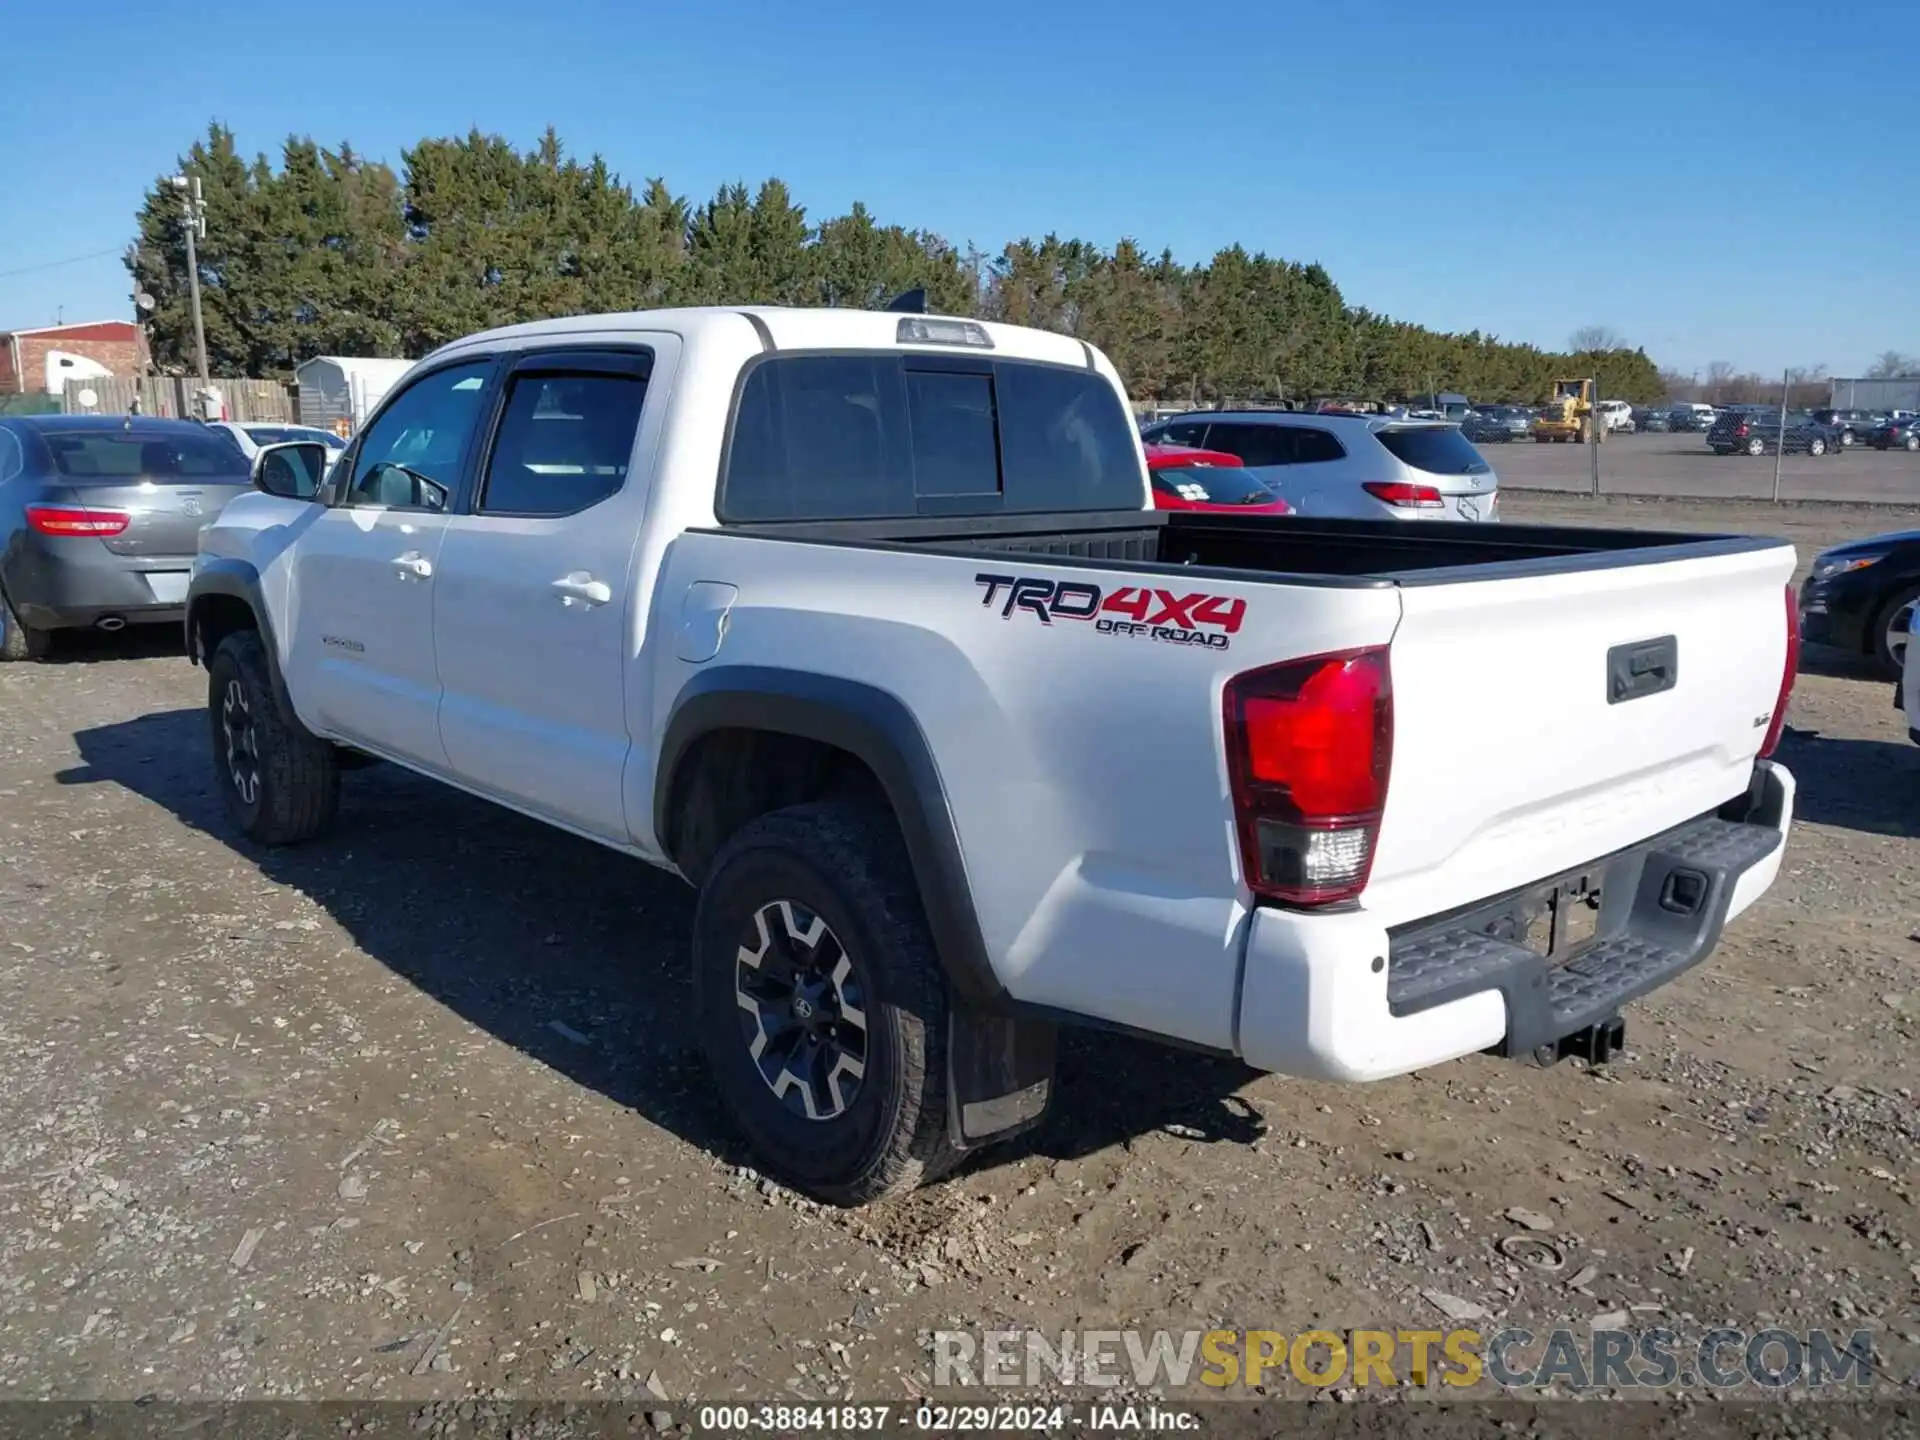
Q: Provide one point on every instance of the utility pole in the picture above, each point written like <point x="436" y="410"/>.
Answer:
<point x="196" y="218"/>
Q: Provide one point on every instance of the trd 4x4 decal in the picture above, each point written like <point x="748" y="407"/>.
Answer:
<point x="1132" y="610"/>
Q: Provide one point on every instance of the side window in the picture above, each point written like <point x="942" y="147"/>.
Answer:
<point x="564" y="443"/>
<point x="1187" y="432"/>
<point x="1316" y="447"/>
<point x="410" y="457"/>
<point x="12" y="461"/>
<point x="1254" y="444"/>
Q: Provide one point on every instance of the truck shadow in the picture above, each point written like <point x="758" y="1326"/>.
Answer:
<point x="578" y="956"/>
<point x="1872" y="786"/>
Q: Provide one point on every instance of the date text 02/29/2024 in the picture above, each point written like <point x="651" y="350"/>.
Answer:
<point x="936" y="1419"/>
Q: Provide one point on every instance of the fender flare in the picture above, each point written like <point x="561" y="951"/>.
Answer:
<point x="877" y="728"/>
<point x="238" y="580"/>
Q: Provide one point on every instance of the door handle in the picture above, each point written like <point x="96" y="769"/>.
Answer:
<point x="413" y="565"/>
<point x="582" y="587"/>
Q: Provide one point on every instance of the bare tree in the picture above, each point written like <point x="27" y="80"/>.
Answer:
<point x="1680" y="385"/>
<point x="1892" y="365"/>
<point x="1719" y="376"/>
<point x="1591" y="339"/>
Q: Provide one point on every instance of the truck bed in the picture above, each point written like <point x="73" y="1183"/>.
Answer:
<point x="1297" y="549"/>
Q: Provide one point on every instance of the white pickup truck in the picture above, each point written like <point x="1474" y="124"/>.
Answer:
<point x="863" y="624"/>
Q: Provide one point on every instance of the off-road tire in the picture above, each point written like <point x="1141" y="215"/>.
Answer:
<point x="17" y="641"/>
<point x="296" y="794"/>
<point x="844" y="862"/>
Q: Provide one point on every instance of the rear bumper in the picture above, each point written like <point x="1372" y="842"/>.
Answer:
<point x="1339" y="997"/>
<point x="68" y="583"/>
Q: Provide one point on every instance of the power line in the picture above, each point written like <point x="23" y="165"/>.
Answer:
<point x="56" y="264"/>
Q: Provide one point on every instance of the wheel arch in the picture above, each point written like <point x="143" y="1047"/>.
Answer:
<point x="744" y="740"/>
<point x="226" y="596"/>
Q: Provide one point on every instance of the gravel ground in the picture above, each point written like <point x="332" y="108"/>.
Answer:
<point x="412" y="1113"/>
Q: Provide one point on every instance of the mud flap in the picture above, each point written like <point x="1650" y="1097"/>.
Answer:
<point x="999" y="1075"/>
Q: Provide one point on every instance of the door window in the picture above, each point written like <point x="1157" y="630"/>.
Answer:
<point x="1185" y="432"/>
<point x="564" y="443"/>
<point x="410" y="457"/>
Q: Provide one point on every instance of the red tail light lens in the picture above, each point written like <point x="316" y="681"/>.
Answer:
<point x="1789" y="673"/>
<point x="1309" y="749"/>
<point x="76" y="520"/>
<point x="1415" y="497"/>
<point x="1742" y="430"/>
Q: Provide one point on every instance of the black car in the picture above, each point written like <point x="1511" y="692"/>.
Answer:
<point x="1858" y="596"/>
<point x="1652" y="422"/>
<point x="1853" y="426"/>
<point x="1496" y="424"/>
<point x="1757" y="432"/>
<point x="100" y="518"/>
<point x="1896" y="435"/>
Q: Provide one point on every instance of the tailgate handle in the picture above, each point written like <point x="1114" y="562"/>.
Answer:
<point x="1643" y="667"/>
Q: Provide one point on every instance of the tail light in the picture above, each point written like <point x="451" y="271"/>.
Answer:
<point x="1788" y="674"/>
<point x="1309" y="747"/>
<point x="1741" y="430"/>
<point x="76" y="520"/>
<point x="1411" y="497"/>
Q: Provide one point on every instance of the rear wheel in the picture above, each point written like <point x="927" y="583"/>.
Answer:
<point x="821" y="1003"/>
<point x="1756" y="446"/>
<point x="18" y="641"/>
<point x="1913" y="442"/>
<point x="281" y="784"/>
<point x="1816" y="446"/>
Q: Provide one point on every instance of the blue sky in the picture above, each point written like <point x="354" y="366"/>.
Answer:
<point x="1714" y="181"/>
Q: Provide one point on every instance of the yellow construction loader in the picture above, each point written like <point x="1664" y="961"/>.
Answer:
<point x="1569" y="415"/>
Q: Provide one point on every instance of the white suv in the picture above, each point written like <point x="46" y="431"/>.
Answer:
<point x="1367" y="467"/>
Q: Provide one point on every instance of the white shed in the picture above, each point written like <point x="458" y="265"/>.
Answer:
<point x="336" y="388"/>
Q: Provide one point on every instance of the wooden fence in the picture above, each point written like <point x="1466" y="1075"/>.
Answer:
<point x="172" y="395"/>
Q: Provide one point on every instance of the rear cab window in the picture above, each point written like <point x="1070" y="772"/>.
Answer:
<point x="1436" y="449"/>
<point x="891" y="434"/>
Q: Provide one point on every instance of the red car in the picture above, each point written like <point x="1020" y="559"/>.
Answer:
<point x="1188" y="479"/>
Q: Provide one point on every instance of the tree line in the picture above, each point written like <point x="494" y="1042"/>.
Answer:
<point x="331" y="253"/>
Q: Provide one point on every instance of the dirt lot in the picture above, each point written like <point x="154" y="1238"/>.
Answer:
<point x="413" y="1112"/>
<point x="1682" y="465"/>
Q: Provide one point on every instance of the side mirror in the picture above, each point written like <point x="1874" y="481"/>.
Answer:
<point x="293" y="470"/>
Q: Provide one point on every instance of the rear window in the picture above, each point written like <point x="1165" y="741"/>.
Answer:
<point x="1436" y="449"/>
<point x="1211" y="485"/>
<point x="187" y="455"/>
<point x="879" y="436"/>
<point x="285" y="434"/>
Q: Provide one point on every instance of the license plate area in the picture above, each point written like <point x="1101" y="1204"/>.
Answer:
<point x="1567" y="922"/>
<point x="169" y="586"/>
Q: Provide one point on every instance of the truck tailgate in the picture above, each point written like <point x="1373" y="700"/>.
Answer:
<point x="1542" y="721"/>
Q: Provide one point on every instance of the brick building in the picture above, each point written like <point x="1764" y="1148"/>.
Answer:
<point x="119" y="345"/>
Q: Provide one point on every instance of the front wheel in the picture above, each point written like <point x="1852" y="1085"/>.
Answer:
<point x="821" y="1003"/>
<point x="1756" y="446"/>
<point x="280" y="783"/>
<point x="1891" y="630"/>
<point x="1913" y="442"/>
<point x="18" y="641"/>
<point x="1816" y="446"/>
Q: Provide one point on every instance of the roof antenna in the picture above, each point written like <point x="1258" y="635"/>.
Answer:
<point x="910" y="302"/>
